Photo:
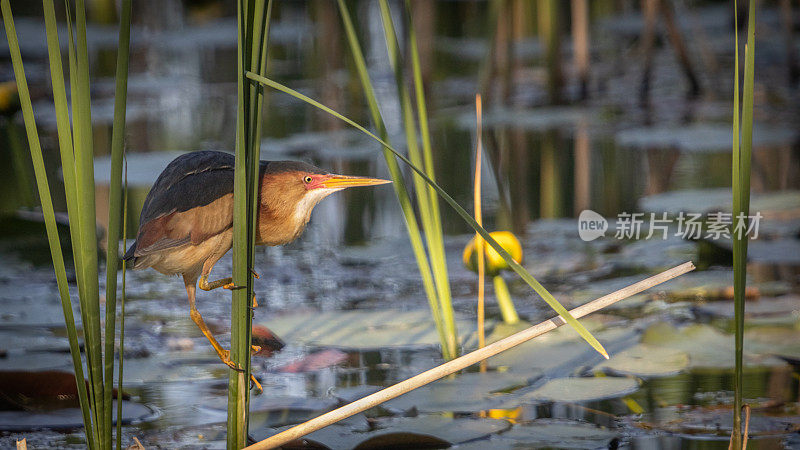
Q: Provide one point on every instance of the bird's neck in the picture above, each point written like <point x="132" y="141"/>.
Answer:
<point x="282" y="220"/>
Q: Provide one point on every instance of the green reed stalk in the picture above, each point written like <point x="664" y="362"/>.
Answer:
<point x="253" y="28"/>
<point x="439" y="261"/>
<point x="68" y="175"/>
<point x="18" y="163"/>
<point x="122" y="311"/>
<point x="741" y="204"/>
<point x="87" y="273"/>
<point x="48" y="213"/>
<point x="238" y="381"/>
<point x="115" y="204"/>
<point x="426" y="197"/>
<point x="515" y="266"/>
<point x="76" y="217"/>
<point x="77" y="158"/>
<point x="398" y="184"/>
<point x="504" y="301"/>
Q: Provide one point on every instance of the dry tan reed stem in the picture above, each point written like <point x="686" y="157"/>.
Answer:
<point x="464" y="361"/>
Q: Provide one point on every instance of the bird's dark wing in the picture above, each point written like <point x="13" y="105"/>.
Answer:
<point x="183" y="185"/>
<point x="191" y="201"/>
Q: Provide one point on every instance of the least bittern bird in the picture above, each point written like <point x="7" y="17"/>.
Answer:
<point x="186" y="224"/>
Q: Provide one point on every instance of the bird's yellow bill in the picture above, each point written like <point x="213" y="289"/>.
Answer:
<point x="345" y="181"/>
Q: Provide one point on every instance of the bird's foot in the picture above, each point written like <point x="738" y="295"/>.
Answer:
<point x="255" y="349"/>
<point x="255" y="274"/>
<point x="226" y="359"/>
<point x="206" y="285"/>
<point x="225" y="356"/>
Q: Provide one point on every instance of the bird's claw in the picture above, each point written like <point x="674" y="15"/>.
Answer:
<point x="235" y="367"/>
<point x="227" y="361"/>
<point x="231" y="286"/>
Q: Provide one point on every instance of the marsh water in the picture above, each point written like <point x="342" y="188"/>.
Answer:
<point x="347" y="297"/>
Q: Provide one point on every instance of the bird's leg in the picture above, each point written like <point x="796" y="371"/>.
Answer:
<point x="197" y="318"/>
<point x="204" y="284"/>
<point x="224" y="355"/>
<point x="225" y="283"/>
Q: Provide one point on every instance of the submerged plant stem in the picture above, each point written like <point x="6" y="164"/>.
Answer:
<point x="507" y="309"/>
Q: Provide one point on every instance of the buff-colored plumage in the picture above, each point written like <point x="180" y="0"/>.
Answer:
<point x="186" y="224"/>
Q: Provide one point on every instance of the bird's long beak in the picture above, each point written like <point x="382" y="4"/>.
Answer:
<point x="346" y="181"/>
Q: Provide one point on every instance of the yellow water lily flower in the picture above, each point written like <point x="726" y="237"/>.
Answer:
<point x="494" y="262"/>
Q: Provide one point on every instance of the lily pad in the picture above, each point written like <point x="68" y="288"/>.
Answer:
<point x="777" y="341"/>
<point x="397" y="432"/>
<point x="693" y="286"/>
<point x="786" y="306"/>
<point x="575" y="390"/>
<point x="647" y="361"/>
<point x="38" y="361"/>
<point x="275" y="411"/>
<point x="365" y="330"/>
<point x="561" y="352"/>
<point x="561" y="434"/>
<point x="654" y="254"/>
<point x="172" y="367"/>
<point x="779" y="251"/>
<point x="69" y="418"/>
<point x="706" y="346"/>
<point x="719" y="422"/>
<point x="463" y="393"/>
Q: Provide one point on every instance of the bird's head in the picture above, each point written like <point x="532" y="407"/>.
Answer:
<point x="290" y="190"/>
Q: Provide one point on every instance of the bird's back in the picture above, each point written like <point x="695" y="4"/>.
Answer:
<point x="173" y="214"/>
<point x="191" y="201"/>
<point x="190" y="180"/>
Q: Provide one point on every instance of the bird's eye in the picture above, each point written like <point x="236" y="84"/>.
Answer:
<point x="308" y="179"/>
